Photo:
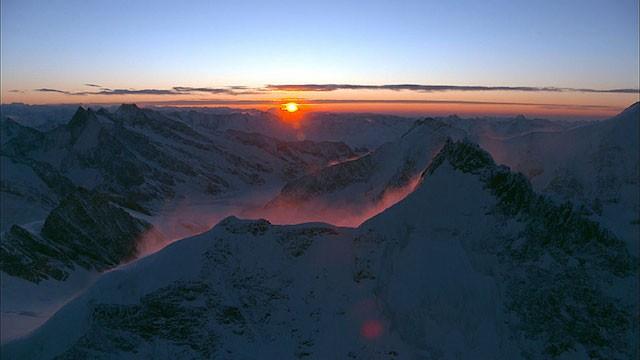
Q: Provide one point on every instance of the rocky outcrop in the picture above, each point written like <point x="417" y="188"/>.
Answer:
<point x="86" y="230"/>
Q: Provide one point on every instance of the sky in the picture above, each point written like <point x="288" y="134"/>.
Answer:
<point x="552" y="58"/>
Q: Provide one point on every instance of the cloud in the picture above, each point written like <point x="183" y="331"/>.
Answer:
<point x="136" y="92"/>
<point x="49" y="90"/>
<point x="187" y="89"/>
<point x="229" y="90"/>
<point x="244" y="90"/>
<point x="619" y="91"/>
<point x="435" y="88"/>
<point x="176" y="90"/>
<point x="93" y="85"/>
<point x="52" y="90"/>
<point x="457" y="102"/>
<point x="111" y="92"/>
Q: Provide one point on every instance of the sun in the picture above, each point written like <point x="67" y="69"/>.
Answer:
<point x="290" y="107"/>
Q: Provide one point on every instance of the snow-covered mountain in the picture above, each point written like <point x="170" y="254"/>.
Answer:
<point x="112" y="185"/>
<point x="10" y="129"/>
<point x="472" y="264"/>
<point x="86" y="230"/>
<point x="350" y="192"/>
<point x="360" y="131"/>
<point x="148" y="158"/>
<point x="41" y="117"/>
<point x="506" y="127"/>
<point x="107" y="187"/>
<point x="220" y="120"/>
<point x="587" y="163"/>
<point x="364" y="131"/>
<point x="505" y="272"/>
<point x="596" y="166"/>
<point x="46" y="264"/>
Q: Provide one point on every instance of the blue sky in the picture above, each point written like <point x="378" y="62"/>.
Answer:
<point x="160" y="44"/>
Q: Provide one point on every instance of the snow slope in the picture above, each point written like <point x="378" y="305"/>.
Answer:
<point x="596" y="166"/>
<point x="506" y="273"/>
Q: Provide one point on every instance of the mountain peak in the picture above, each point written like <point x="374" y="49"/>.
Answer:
<point x="512" y="189"/>
<point x="80" y="113"/>
<point x="80" y="118"/>
<point x="430" y="122"/>
<point x="102" y="111"/>
<point x="463" y="155"/>
<point x="131" y="106"/>
<point x="128" y="109"/>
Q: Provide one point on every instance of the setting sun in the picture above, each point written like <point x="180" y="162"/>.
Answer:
<point x="290" y="107"/>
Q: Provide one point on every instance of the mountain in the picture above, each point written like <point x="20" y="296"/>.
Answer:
<point x="48" y="263"/>
<point x="504" y="272"/>
<point x="350" y="192"/>
<point x="596" y="166"/>
<point x="566" y="160"/>
<point x="10" y="129"/>
<point x="40" y="117"/>
<point x="220" y="120"/>
<point x="110" y="186"/>
<point x="360" y="131"/>
<point x="364" y="131"/>
<point x="25" y="195"/>
<point x="472" y="264"/>
<point x="507" y="127"/>
<point x="148" y="158"/>
<point x="87" y="229"/>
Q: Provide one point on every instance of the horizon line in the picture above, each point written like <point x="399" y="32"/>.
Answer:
<point x="303" y="101"/>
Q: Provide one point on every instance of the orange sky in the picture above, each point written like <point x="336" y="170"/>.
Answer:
<point x="569" y="104"/>
<point x="552" y="58"/>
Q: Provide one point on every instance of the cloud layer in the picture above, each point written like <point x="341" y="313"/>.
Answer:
<point x="176" y="90"/>
<point x="435" y="88"/>
<point x="244" y="90"/>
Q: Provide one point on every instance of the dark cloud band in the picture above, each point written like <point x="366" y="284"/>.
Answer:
<point x="176" y="90"/>
<point x="243" y="90"/>
<point x="48" y="90"/>
<point x="435" y="88"/>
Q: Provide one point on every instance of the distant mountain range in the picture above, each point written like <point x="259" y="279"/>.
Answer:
<point x="350" y="192"/>
<point x="591" y="164"/>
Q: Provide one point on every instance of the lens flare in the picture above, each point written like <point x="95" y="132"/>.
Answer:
<point x="371" y="329"/>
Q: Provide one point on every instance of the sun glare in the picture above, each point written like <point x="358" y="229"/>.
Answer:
<point x="290" y="107"/>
